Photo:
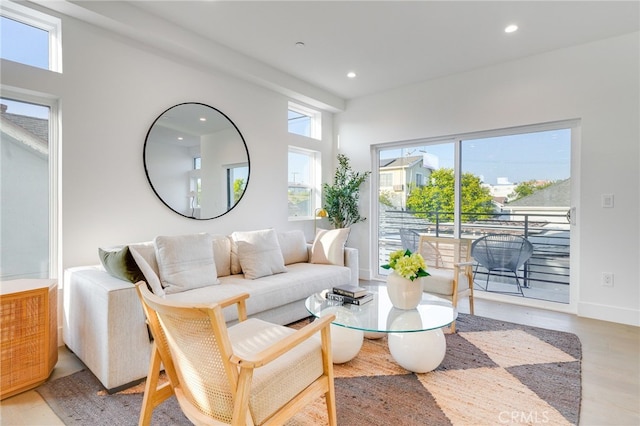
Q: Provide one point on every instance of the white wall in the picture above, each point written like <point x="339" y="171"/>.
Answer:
<point x="597" y="83"/>
<point x="110" y="93"/>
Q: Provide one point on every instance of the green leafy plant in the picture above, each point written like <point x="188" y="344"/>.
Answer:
<point x="406" y="264"/>
<point x="341" y="198"/>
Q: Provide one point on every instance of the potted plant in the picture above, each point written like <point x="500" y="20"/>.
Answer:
<point x="404" y="283"/>
<point x="341" y="198"/>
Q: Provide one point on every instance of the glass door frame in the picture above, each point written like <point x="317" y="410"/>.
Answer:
<point x="574" y="231"/>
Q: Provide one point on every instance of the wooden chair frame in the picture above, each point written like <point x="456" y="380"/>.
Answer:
<point x="239" y="370"/>
<point x="452" y="254"/>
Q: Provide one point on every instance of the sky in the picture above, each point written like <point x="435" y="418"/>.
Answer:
<point x="528" y="156"/>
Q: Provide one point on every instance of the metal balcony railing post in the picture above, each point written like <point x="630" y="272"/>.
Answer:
<point x="525" y="278"/>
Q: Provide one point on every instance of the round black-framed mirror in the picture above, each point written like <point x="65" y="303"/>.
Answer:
<point x="196" y="161"/>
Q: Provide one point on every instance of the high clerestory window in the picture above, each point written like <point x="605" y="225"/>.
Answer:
<point x="30" y="37"/>
<point x="304" y="121"/>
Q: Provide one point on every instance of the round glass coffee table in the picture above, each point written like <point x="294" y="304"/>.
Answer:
<point x="415" y="337"/>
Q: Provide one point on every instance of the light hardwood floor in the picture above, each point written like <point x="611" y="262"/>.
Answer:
<point x="610" y="367"/>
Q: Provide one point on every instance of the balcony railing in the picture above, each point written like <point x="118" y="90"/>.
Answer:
<point x="547" y="271"/>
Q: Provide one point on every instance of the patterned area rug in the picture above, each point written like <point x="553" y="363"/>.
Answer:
<point x="494" y="372"/>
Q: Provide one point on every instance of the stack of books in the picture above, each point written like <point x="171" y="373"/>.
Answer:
<point x="350" y="294"/>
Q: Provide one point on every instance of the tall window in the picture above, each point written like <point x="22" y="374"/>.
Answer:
<point x="513" y="181"/>
<point x="304" y="181"/>
<point x="304" y="121"/>
<point x="27" y="210"/>
<point x="30" y="37"/>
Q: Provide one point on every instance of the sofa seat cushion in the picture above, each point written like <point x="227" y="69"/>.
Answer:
<point x="276" y="383"/>
<point x="301" y="280"/>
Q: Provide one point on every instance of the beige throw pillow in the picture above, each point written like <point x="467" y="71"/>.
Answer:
<point x="259" y="253"/>
<point x="328" y="246"/>
<point x="186" y="262"/>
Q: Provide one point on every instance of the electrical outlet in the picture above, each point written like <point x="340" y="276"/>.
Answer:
<point x="607" y="201"/>
<point x="607" y="279"/>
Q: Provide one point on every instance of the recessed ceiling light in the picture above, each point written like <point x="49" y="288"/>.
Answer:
<point x="351" y="74"/>
<point x="511" y="28"/>
<point x="180" y="138"/>
<point x="300" y="44"/>
<point x="203" y="119"/>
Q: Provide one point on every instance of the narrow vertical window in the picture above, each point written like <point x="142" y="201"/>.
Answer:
<point x="25" y="189"/>
<point x="303" y="192"/>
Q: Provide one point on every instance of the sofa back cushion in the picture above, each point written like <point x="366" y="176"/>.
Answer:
<point x="186" y="262"/>
<point x="222" y="254"/>
<point x="293" y="246"/>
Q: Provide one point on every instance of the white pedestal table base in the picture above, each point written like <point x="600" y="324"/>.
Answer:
<point x="420" y="351"/>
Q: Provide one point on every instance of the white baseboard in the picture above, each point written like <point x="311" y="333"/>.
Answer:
<point x="609" y="313"/>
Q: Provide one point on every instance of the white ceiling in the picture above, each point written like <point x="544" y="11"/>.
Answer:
<point x="387" y="43"/>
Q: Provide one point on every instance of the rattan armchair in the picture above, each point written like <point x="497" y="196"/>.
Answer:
<point x="250" y="373"/>
<point x="449" y="265"/>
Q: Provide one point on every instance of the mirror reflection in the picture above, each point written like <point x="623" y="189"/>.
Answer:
<point x="196" y="161"/>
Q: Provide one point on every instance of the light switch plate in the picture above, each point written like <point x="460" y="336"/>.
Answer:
<point x="607" y="201"/>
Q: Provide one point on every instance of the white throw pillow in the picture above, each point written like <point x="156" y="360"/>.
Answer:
<point x="235" y="262"/>
<point x="222" y="254"/>
<point x="186" y="262"/>
<point x="328" y="246"/>
<point x="259" y="253"/>
<point x="293" y="246"/>
<point x="140" y="254"/>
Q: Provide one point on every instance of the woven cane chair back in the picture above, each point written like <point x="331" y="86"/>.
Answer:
<point x="198" y="354"/>
<point x="449" y="264"/>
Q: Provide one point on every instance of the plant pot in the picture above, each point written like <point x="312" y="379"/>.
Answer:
<point x="404" y="293"/>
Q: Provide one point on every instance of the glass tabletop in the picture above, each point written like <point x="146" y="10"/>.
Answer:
<point x="380" y="316"/>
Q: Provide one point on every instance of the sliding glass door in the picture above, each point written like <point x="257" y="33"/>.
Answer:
<point x="512" y="181"/>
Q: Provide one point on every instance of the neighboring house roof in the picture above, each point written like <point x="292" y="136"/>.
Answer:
<point x="556" y="195"/>
<point x="30" y="131"/>
<point x="400" y="162"/>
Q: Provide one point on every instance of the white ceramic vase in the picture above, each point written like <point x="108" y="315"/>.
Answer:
<point x="404" y="293"/>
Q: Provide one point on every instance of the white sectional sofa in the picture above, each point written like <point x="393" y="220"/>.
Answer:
<point x="104" y="324"/>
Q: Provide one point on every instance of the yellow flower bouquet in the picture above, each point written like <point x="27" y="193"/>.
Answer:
<point x="408" y="265"/>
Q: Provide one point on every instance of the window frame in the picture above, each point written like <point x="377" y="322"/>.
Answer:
<point x="315" y="175"/>
<point x="315" y="117"/>
<point x="55" y="172"/>
<point x="31" y="17"/>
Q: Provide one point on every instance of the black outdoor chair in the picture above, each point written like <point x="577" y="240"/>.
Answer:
<point x="499" y="253"/>
<point x="409" y="239"/>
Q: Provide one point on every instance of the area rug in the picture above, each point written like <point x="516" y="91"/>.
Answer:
<point x="494" y="372"/>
